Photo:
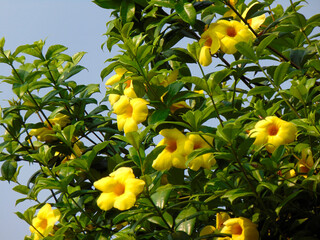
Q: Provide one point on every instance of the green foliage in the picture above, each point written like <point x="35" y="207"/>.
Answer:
<point x="59" y="125"/>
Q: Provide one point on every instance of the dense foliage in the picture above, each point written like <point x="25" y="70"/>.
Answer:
<point x="215" y="139"/>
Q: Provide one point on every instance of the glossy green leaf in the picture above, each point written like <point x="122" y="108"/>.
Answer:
<point x="280" y="73"/>
<point x="8" y="169"/>
<point x="186" y="11"/>
<point x="246" y="50"/>
<point x="161" y="196"/>
<point x="185" y="220"/>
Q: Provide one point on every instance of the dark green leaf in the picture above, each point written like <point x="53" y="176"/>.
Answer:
<point x="280" y="73"/>
<point x="186" y="11"/>
<point x="246" y="50"/>
<point x="184" y="221"/>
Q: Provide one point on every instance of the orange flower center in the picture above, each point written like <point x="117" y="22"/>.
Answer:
<point x="128" y="83"/>
<point x="236" y="229"/>
<point x="196" y="146"/>
<point x="119" y="189"/>
<point x="129" y="111"/>
<point x="171" y="145"/>
<point x="273" y="130"/>
<point x="231" y="32"/>
<point x="208" y="42"/>
<point x="43" y="224"/>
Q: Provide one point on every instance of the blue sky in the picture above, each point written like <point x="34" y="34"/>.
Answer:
<point x="76" y="24"/>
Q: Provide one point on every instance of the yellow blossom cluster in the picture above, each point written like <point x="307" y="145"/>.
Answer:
<point x="178" y="147"/>
<point x="222" y="35"/>
<point x="130" y="109"/>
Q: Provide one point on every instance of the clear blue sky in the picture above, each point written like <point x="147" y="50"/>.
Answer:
<point x="76" y="24"/>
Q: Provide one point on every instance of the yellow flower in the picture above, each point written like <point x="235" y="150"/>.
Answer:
<point x="44" y="133"/>
<point x="44" y="222"/>
<point x="306" y="161"/>
<point x="128" y="91"/>
<point x="205" y="160"/>
<point x="116" y="78"/>
<point x="119" y="189"/>
<point x="230" y="33"/>
<point x="255" y="22"/>
<point x="113" y="98"/>
<point x="210" y="44"/>
<point x="273" y="132"/>
<point x="209" y="229"/>
<point x="178" y="146"/>
<point x="178" y="105"/>
<point x="220" y="219"/>
<point x="130" y="112"/>
<point x="240" y="229"/>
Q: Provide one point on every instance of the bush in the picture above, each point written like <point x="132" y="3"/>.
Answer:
<point x="179" y="148"/>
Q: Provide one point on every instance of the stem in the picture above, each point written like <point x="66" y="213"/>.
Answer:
<point x="212" y="100"/>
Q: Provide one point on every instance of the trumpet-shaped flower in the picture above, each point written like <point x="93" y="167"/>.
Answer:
<point x="273" y="132"/>
<point x="178" y="146"/>
<point x="130" y="112"/>
<point x="224" y="35"/>
<point x="116" y="78"/>
<point x="306" y="161"/>
<point x="255" y="22"/>
<point x="230" y="33"/>
<point x="45" y="133"/>
<point x="220" y="219"/>
<point x="128" y="90"/>
<point x="206" y="160"/>
<point x="119" y="189"/>
<point x="43" y="223"/>
<point x="240" y="229"/>
<point x="210" y="44"/>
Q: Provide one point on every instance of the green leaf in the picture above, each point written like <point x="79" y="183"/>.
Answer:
<point x="127" y="10"/>
<point x="286" y="200"/>
<point x="199" y="82"/>
<point x="186" y="11"/>
<point x="229" y="132"/>
<point x="265" y="43"/>
<point x="163" y="3"/>
<point x="217" y="77"/>
<point x="134" y="139"/>
<point x="260" y="90"/>
<point x="246" y="50"/>
<point x="2" y="41"/>
<point x="233" y="194"/>
<point x="8" y="169"/>
<point x="21" y="189"/>
<point x="158" y="220"/>
<point x="54" y="50"/>
<point x="185" y="220"/>
<point x="158" y="116"/>
<point x="280" y="73"/>
<point x="270" y="186"/>
<point x="161" y="196"/>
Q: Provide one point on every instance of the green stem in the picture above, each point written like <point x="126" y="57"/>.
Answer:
<point x="277" y="88"/>
<point x="211" y="98"/>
